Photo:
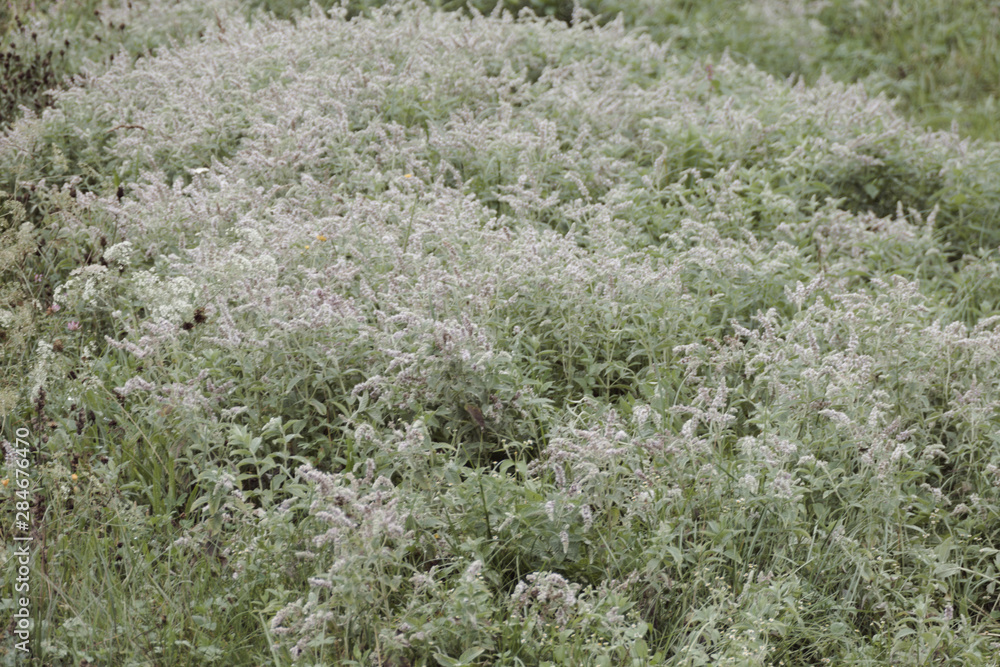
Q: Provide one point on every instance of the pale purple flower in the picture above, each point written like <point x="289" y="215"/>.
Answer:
<point x="134" y="384"/>
<point x="473" y="571"/>
<point x="783" y="485"/>
<point x="10" y="454"/>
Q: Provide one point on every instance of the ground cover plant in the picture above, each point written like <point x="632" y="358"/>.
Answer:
<point x="418" y="338"/>
<point x="43" y="45"/>
<point x="939" y="58"/>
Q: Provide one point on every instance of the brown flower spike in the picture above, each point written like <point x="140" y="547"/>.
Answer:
<point x="477" y="415"/>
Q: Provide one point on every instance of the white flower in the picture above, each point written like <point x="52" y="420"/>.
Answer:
<point x="119" y="254"/>
<point x="170" y="299"/>
<point x="89" y="284"/>
<point x="39" y="373"/>
<point x="782" y="485"/>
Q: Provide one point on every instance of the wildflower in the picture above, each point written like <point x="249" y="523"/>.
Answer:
<point x="782" y="485"/>
<point x="134" y="384"/>
<point x="506" y="522"/>
<point x="472" y="572"/>
<point x="994" y="471"/>
<point x="72" y="325"/>
<point x="476" y="414"/>
<point x="837" y="417"/>
<point x="74" y="477"/>
<point x="119" y="254"/>
<point x="547" y="596"/>
<point x="320" y="582"/>
<point x="320" y="237"/>
<point x="407" y="175"/>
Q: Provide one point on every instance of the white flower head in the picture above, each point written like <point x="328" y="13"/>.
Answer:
<point x="119" y="254"/>
<point x="170" y="299"/>
<point x="89" y="283"/>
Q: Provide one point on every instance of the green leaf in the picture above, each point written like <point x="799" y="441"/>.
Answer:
<point x="945" y="570"/>
<point x="471" y="654"/>
<point x="445" y="661"/>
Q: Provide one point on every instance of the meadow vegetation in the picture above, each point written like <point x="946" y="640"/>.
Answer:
<point x="384" y="335"/>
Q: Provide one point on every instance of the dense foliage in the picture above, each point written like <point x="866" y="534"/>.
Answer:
<point x="406" y="337"/>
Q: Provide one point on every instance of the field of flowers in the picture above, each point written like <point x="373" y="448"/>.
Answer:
<point x="411" y="337"/>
